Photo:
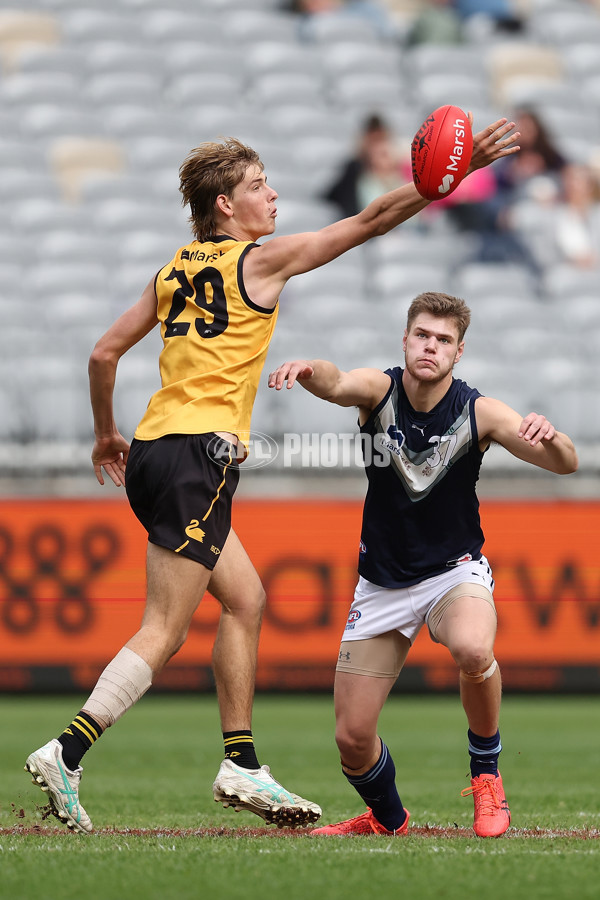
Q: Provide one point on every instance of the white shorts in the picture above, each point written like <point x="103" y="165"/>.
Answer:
<point x="377" y="610"/>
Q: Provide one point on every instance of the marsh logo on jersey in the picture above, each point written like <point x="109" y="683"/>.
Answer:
<point x="392" y="440"/>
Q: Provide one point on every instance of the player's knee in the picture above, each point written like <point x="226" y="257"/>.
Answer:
<point x="473" y="658"/>
<point x="260" y="600"/>
<point x="254" y="604"/>
<point x="478" y="676"/>
<point x="247" y="605"/>
<point x="167" y="635"/>
<point x="354" y="745"/>
<point x="175" y="641"/>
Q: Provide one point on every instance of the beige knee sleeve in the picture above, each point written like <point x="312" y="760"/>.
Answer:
<point x="478" y="677"/>
<point x="121" y="684"/>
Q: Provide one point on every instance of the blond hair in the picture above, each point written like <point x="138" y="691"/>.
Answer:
<point x="442" y="306"/>
<point x="209" y="170"/>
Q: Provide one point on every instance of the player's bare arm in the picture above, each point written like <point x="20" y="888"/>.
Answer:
<point x="268" y="267"/>
<point x="110" y="448"/>
<point x="364" y="388"/>
<point x="532" y="438"/>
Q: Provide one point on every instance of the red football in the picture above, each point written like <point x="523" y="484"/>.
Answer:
<point x="441" y="152"/>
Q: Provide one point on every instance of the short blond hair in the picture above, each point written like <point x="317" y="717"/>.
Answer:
<point x="209" y="170"/>
<point x="442" y="306"/>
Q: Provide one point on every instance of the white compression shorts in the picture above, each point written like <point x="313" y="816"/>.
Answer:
<point x="377" y="610"/>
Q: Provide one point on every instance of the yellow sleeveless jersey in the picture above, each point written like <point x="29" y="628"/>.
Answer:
<point x="215" y="343"/>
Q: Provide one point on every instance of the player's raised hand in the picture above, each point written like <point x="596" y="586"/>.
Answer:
<point x="493" y="143"/>
<point x="290" y="371"/>
<point x="535" y="428"/>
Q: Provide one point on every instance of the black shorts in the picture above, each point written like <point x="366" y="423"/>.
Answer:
<point x="180" y="487"/>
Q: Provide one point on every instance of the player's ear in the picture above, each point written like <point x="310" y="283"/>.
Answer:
<point x="459" y="351"/>
<point x="223" y="205"/>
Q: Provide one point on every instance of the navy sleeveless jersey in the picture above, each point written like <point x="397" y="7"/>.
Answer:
<point x="421" y="512"/>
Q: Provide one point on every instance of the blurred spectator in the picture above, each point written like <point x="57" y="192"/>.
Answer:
<point x="577" y="217"/>
<point x="473" y="208"/>
<point x="538" y="157"/>
<point x="482" y="205"/>
<point x="375" y="169"/>
<point x="502" y="14"/>
<point x="369" y="10"/>
<point x="379" y="165"/>
<point x="437" y="22"/>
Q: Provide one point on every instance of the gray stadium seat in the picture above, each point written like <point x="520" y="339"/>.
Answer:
<point x="137" y="120"/>
<point x="461" y="90"/>
<point x="160" y="27"/>
<point x="83" y="25"/>
<point x="24" y="88"/>
<point x="187" y="90"/>
<point x="581" y="58"/>
<point x="443" y="59"/>
<point x="33" y="216"/>
<point x="160" y="84"/>
<point x="276" y="88"/>
<point x="270" y="56"/>
<point x="400" y="279"/>
<point x="563" y="26"/>
<point x="355" y="57"/>
<point x="327" y="28"/>
<point x="17" y="184"/>
<point x="364" y="91"/>
<point x="250" y="25"/>
<point x="117" y="86"/>
<point x="53" y="58"/>
<point x="45" y="121"/>
<point x="190" y="55"/>
<point x="68" y="244"/>
<point x="50" y="278"/>
<point x="566" y="281"/>
<point x="476" y="279"/>
<point x="57" y="404"/>
<point x="111" y="56"/>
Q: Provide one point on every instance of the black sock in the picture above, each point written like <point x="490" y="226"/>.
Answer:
<point x="78" y="738"/>
<point x="239" y="748"/>
<point x="377" y="787"/>
<point x="484" y="752"/>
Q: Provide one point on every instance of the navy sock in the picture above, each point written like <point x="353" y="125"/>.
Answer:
<point x="377" y="787"/>
<point x="484" y="752"/>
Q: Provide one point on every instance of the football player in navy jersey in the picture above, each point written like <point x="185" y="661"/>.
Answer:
<point x="425" y="433"/>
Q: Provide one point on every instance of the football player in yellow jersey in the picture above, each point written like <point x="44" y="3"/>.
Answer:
<point x="216" y="303"/>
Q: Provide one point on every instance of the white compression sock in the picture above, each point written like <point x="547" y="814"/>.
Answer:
<point x="121" y="684"/>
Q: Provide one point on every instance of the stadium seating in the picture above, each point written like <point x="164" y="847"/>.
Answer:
<point x="99" y="106"/>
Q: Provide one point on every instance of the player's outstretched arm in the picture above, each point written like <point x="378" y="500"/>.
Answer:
<point x="359" y="387"/>
<point x="267" y="268"/>
<point x="110" y="448"/>
<point x="531" y="438"/>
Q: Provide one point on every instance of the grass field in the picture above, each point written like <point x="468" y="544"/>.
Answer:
<point x="159" y="835"/>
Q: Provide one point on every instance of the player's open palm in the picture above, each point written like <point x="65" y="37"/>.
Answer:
<point x="111" y="455"/>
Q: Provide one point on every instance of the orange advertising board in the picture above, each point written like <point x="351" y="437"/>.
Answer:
<point x="72" y="584"/>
